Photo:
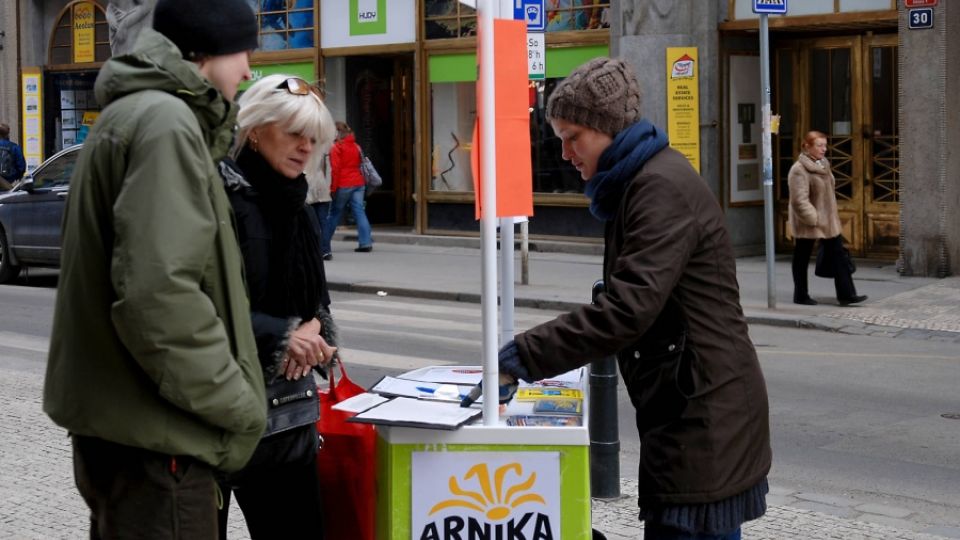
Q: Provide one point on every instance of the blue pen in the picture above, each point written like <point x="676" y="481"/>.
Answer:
<point x="428" y="390"/>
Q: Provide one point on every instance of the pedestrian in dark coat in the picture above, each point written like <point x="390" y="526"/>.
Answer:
<point x="670" y="313"/>
<point x="283" y="125"/>
<point x="12" y="164"/>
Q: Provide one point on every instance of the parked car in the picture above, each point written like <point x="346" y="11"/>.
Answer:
<point x="30" y="216"/>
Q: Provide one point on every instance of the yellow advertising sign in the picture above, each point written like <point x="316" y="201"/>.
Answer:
<point x="31" y="93"/>
<point x="84" y="36"/>
<point x="683" y="102"/>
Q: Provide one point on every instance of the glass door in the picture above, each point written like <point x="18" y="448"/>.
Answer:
<point x="881" y="149"/>
<point x="845" y="87"/>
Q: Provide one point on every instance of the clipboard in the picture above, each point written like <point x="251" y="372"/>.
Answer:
<point x="418" y="413"/>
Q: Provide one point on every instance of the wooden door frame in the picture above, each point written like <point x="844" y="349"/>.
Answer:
<point x="852" y="212"/>
<point x="874" y="211"/>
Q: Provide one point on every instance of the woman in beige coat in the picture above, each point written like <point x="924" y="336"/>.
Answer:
<point x="813" y="215"/>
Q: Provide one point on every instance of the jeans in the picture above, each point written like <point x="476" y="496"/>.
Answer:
<point x="354" y="197"/>
<point x="136" y="493"/>
<point x="322" y="210"/>
<point x="843" y="282"/>
<point x="653" y="531"/>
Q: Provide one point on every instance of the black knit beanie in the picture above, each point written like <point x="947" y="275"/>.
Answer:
<point x="208" y="27"/>
<point x="602" y="94"/>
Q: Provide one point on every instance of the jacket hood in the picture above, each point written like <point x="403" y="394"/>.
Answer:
<point x="156" y="64"/>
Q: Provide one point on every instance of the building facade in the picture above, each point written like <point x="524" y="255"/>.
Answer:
<point x="403" y="74"/>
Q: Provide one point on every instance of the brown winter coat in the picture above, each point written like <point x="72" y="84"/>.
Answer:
<point x="813" y="201"/>
<point x="671" y="313"/>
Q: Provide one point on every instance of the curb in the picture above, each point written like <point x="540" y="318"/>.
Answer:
<point x="556" y="305"/>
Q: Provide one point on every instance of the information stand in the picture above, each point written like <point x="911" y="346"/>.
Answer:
<point x="486" y="482"/>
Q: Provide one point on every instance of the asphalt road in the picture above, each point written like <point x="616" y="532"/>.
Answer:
<point x="852" y="417"/>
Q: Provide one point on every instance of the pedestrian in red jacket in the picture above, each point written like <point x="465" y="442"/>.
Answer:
<point x="347" y="187"/>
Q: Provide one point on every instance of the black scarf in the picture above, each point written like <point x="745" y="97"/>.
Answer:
<point x="295" y="285"/>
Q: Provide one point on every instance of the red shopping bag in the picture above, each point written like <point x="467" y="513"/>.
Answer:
<point x="346" y="463"/>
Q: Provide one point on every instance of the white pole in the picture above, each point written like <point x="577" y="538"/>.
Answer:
<point x="488" y="220"/>
<point x="506" y="280"/>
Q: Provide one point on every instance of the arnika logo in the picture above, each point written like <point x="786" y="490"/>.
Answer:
<point x="487" y="506"/>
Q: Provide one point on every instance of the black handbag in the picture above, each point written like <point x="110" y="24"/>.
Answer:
<point x="826" y="265"/>
<point x="291" y="404"/>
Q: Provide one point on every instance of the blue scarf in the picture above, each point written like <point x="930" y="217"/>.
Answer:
<point x="619" y="163"/>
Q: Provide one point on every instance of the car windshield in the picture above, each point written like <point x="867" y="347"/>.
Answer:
<point x="57" y="172"/>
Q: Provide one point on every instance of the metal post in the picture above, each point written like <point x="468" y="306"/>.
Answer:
<point x="525" y="252"/>
<point x="767" y="160"/>
<point x="603" y="424"/>
<point x="506" y="280"/>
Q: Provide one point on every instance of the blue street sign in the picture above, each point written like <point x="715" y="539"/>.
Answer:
<point x="775" y="7"/>
<point x="532" y="12"/>
<point x="920" y="18"/>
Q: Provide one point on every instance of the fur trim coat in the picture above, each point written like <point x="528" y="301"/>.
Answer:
<point x="813" y="201"/>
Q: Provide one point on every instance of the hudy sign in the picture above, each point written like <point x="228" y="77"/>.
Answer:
<point x="485" y="496"/>
<point x="368" y="17"/>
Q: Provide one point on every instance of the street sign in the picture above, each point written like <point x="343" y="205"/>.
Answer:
<point x="919" y="3"/>
<point x="532" y="12"/>
<point x="537" y="55"/>
<point x="920" y="18"/>
<point x="775" y="7"/>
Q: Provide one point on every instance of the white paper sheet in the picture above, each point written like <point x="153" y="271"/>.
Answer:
<point x="419" y="413"/>
<point x="465" y="375"/>
<point x="359" y="403"/>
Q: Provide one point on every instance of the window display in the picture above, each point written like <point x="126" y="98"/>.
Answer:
<point x="284" y="24"/>
<point x="454" y="112"/>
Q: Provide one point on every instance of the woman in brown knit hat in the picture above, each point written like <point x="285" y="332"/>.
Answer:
<point x="813" y="215"/>
<point x="670" y="313"/>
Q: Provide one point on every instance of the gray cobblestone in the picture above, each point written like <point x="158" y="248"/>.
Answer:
<point x="884" y="510"/>
<point x="38" y="499"/>
<point x="832" y="500"/>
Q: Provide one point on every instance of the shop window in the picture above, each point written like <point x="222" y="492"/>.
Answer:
<point x="449" y="19"/>
<point x="564" y="15"/>
<point x="285" y="24"/>
<point x="75" y="40"/>
<point x="454" y="112"/>
<point x="453" y="99"/>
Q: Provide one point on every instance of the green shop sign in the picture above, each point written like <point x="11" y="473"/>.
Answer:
<point x="304" y="70"/>
<point x="368" y="17"/>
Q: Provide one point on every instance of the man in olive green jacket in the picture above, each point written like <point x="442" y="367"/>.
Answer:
<point x="153" y="366"/>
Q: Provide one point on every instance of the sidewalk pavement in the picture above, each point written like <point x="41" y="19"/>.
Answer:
<point x="561" y="277"/>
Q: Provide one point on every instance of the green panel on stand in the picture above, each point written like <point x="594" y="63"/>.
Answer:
<point x="394" y="497"/>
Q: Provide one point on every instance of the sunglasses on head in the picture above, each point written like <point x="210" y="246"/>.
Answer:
<point x="300" y="87"/>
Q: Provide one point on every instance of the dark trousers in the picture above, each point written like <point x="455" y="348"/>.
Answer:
<point x="136" y="493"/>
<point x="278" y="500"/>
<point x="322" y="210"/>
<point x="656" y="531"/>
<point x="843" y="281"/>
